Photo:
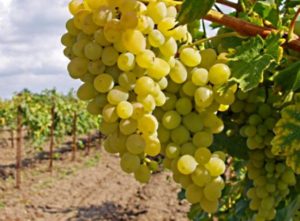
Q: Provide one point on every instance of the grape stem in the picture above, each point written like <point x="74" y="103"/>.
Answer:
<point x="225" y="35"/>
<point x="246" y="28"/>
<point x="292" y="25"/>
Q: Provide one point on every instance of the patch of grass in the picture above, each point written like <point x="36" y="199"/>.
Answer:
<point x="2" y="205"/>
<point x="65" y="172"/>
<point x="93" y="161"/>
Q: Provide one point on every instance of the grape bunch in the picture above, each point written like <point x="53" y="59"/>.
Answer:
<point x="157" y="93"/>
<point x="256" y="116"/>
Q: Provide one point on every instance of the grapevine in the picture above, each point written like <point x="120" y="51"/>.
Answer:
<point x="167" y="97"/>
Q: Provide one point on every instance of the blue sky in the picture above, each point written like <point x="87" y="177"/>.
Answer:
<point x="30" y="50"/>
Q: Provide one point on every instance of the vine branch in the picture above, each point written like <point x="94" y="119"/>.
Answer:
<point x="293" y="23"/>
<point x="246" y="28"/>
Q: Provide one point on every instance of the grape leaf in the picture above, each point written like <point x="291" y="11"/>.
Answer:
<point x="267" y="11"/>
<point x="287" y="213"/>
<point x="292" y="73"/>
<point x="252" y="59"/>
<point x="287" y="136"/>
<point x="192" y="10"/>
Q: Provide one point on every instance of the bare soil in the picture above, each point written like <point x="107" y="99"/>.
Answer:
<point x="90" y="189"/>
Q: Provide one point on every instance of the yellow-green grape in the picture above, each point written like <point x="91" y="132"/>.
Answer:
<point x="93" y="51"/>
<point x="78" y="47"/>
<point x="190" y="57"/>
<point x="267" y="203"/>
<point x="180" y="33"/>
<point x="184" y="106"/>
<point x="112" y="30"/>
<point x="153" y="146"/>
<point x="126" y="61"/>
<point x="163" y="83"/>
<point x="189" y="88"/>
<point x="116" y="95"/>
<point x="71" y="27"/>
<point x="109" y="56"/>
<point x="124" y="109"/>
<point x="214" y="123"/>
<point x="172" y="151"/>
<point x="135" y="144"/>
<point x="215" y="166"/>
<point x="166" y="25"/>
<point x="78" y="67"/>
<point x="118" y="45"/>
<point x="199" y="76"/>
<point x="118" y="142"/>
<point x="219" y="154"/>
<point x="193" y="122"/>
<point x="203" y="139"/>
<point x="68" y="40"/>
<point x="127" y="80"/>
<point x="186" y="164"/>
<point x="173" y="87"/>
<point x="128" y="126"/>
<point x="86" y="92"/>
<point x="226" y="98"/>
<point x="147" y="124"/>
<point x="209" y="206"/>
<point x="212" y="192"/>
<point x="159" y="68"/>
<point x="138" y="110"/>
<point x="202" y="155"/>
<point x="157" y="11"/>
<point x="264" y="110"/>
<point x="130" y="163"/>
<point x="134" y="41"/>
<point x="109" y="113"/>
<point x="171" y="11"/>
<point x="203" y="97"/>
<point x="109" y="147"/>
<point x="171" y="120"/>
<point x="100" y="38"/>
<point x="102" y="15"/>
<point x="180" y="135"/>
<point x="88" y="78"/>
<point x="96" y="67"/>
<point x="145" y="59"/>
<point x="156" y="38"/>
<point x="185" y="181"/>
<point x="145" y="24"/>
<point x="219" y="74"/>
<point x="144" y="85"/>
<point x="148" y="102"/>
<point x="103" y="83"/>
<point x="79" y="18"/>
<point x="178" y="73"/>
<point x="201" y="176"/>
<point x="108" y="128"/>
<point x="88" y="26"/>
<point x="142" y="174"/>
<point x="188" y="149"/>
<point x="169" y="48"/>
<point x="160" y="99"/>
<point x="95" y="4"/>
<point x="75" y="6"/>
<point x="194" y="193"/>
<point x="129" y="19"/>
<point x="95" y="106"/>
<point x="288" y="177"/>
<point x="209" y="58"/>
<point x="163" y="134"/>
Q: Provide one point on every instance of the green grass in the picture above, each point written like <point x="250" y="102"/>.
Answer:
<point x="93" y="161"/>
<point x="2" y="205"/>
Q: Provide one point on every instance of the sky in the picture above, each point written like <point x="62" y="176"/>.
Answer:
<point x="31" y="55"/>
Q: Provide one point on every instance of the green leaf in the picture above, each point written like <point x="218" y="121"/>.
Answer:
<point x="192" y="10"/>
<point x="267" y="11"/>
<point x="252" y="59"/>
<point x="287" y="136"/>
<point x="287" y="213"/>
<point x="289" y="78"/>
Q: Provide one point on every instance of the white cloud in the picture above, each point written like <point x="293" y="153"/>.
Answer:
<point x="31" y="55"/>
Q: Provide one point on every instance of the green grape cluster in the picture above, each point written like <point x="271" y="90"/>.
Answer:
<point x="254" y="113"/>
<point x="271" y="181"/>
<point x="156" y="92"/>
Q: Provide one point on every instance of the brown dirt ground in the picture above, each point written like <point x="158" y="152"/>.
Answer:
<point x="92" y="188"/>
